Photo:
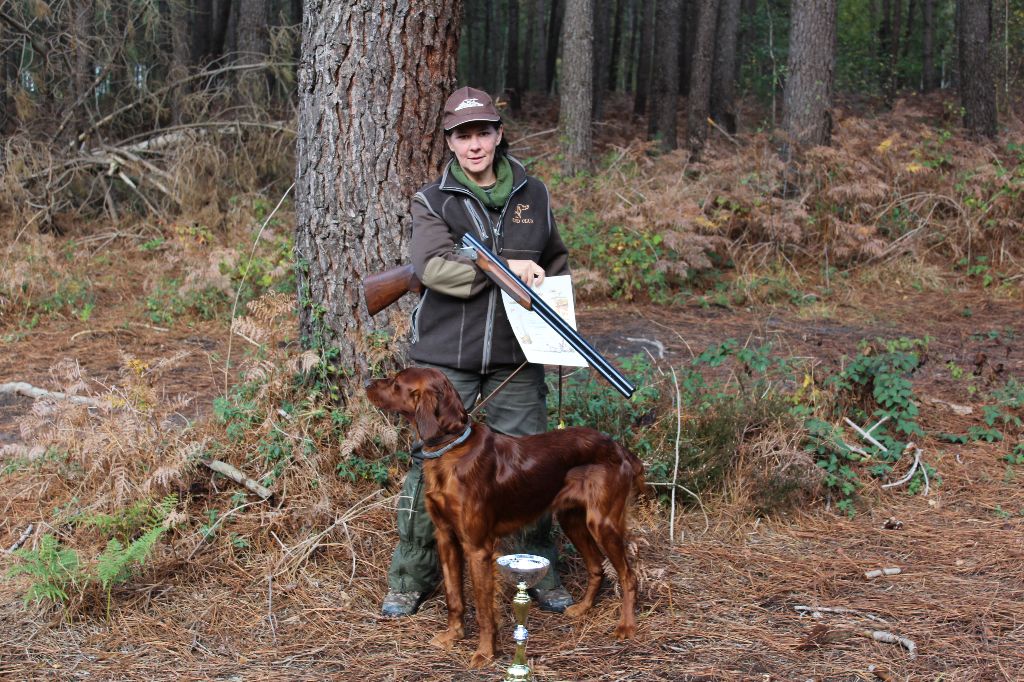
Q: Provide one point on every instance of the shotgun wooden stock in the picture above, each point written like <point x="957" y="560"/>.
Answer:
<point x="384" y="288"/>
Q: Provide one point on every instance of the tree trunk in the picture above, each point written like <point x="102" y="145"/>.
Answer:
<point x="574" y="119"/>
<point x="253" y="48"/>
<point x="893" y="55"/>
<point x="807" y="97"/>
<point x="661" y="124"/>
<point x="180" y="56"/>
<point x="536" y="51"/>
<point x="977" y="83"/>
<point x="724" y="74"/>
<point x="929" y="74"/>
<point x="618" y="34"/>
<point x="513" y="83"/>
<point x="601" y="54"/>
<point x="628" y="73"/>
<point x="221" y="29"/>
<point x="202" y="31"/>
<point x="81" y="31"/>
<point x="698" y="103"/>
<point x="372" y="85"/>
<point x="644" y="58"/>
<point x="491" y="48"/>
<point x="554" y="39"/>
<point x="689" y="13"/>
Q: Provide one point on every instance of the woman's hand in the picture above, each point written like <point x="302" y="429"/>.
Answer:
<point x="529" y="272"/>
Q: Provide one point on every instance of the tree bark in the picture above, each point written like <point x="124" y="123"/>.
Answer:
<point x="513" y="83"/>
<point x="807" y="97"/>
<point x="81" y="31"/>
<point x="253" y="39"/>
<point x="372" y="85"/>
<point x="929" y="74"/>
<point x="661" y="124"/>
<point x="577" y="87"/>
<point x="601" y="55"/>
<point x="724" y="73"/>
<point x="628" y="74"/>
<point x="536" y="52"/>
<point x="618" y="34"/>
<point x="977" y="82"/>
<point x="698" y="103"/>
<point x="554" y="38"/>
<point x="644" y="58"/>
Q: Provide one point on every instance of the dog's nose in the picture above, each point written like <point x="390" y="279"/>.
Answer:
<point x="367" y="383"/>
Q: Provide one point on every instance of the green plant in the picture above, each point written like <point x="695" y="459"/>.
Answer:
<point x="633" y="263"/>
<point x="117" y="561"/>
<point x="873" y="388"/>
<point x="167" y="302"/>
<point x="53" y="569"/>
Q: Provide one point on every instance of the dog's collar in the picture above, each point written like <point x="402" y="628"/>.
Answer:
<point x="434" y="454"/>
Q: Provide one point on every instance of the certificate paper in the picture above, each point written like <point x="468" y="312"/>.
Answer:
<point x="541" y="343"/>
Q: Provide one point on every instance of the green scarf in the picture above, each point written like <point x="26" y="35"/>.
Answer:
<point x="495" y="197"/>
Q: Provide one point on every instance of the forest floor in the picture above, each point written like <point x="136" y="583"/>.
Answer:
<point x="718" y="601"/>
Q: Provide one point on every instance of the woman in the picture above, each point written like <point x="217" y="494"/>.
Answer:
<point x="460" y="327"/>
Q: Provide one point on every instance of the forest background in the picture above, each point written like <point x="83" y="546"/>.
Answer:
<point x="796" y="225"/>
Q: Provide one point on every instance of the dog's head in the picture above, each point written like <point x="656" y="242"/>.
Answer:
<point x="423" y="396"/>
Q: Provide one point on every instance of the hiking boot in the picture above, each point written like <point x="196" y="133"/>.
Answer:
<point x="401" y="604"/>
<point x="555" y="600"/>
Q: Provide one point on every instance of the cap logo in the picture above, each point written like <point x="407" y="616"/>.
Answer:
<point x="467" y="103"/>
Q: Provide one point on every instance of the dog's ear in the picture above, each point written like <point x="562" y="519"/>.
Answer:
<point x="427" y="425"/>
<point x="439" y="410"/>
<point x="451" y="414"/>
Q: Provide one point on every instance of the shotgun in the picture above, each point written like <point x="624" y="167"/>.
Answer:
<point x="383" y="289"/>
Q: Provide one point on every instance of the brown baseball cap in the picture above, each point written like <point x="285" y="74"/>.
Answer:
<point x="469" y="104"/>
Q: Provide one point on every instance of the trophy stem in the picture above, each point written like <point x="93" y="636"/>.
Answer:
<point x="519" y="671"/>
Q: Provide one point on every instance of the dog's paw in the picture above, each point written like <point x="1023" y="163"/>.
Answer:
<point x="481" y="659"/>
<point x="625" y="631"/>
<point x="576" y="610"/>
<point x="446" y="640"/>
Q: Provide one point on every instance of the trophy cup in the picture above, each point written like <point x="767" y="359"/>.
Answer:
<point x="524" y="571"/>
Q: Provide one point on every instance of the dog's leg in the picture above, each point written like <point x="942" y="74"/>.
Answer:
<point x="574" y="525"/>
<point x="449" y="551"/>
<point x="481" y="572"/>
<point x="610" y="534"/>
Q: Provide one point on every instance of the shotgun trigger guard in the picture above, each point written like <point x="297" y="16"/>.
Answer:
<point x="467" y="252"/>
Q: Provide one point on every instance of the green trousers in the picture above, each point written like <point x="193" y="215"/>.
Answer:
<point x="519" y="409"/>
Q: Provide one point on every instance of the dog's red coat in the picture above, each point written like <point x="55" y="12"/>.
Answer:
<point x="491" y="485"/>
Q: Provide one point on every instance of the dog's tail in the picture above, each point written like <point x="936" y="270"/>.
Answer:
<point x="637" y="470"/>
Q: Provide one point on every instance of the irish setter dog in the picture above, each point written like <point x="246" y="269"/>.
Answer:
<point x="488" y="485"/>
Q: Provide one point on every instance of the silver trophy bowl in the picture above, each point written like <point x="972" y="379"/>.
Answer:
<point x="523" y="568"/>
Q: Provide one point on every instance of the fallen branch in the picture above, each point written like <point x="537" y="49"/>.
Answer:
<point x="26" y="534"/>
<point x="879" y="572"/>
<point x="816" y="611"/>
<point x="867" y="434"/>
<point x="30" y="391"/>
<point x="237" y="476"/>
<point x="910" y="474"/>
<point x="890" y="638"/>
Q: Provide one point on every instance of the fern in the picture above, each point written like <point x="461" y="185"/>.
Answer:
<point x="54" y="569"/>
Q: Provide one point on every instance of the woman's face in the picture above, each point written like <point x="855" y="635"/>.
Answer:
<point x="473" y="145"/>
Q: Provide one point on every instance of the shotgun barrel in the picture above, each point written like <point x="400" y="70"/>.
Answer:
<point x="521" y="293"/>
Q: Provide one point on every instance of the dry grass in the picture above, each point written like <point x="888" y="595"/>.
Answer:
<point x="290" y="588"/>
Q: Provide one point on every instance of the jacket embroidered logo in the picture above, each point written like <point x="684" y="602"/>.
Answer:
<point x="519" y="217"/>
<point x="467" y="103"/>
